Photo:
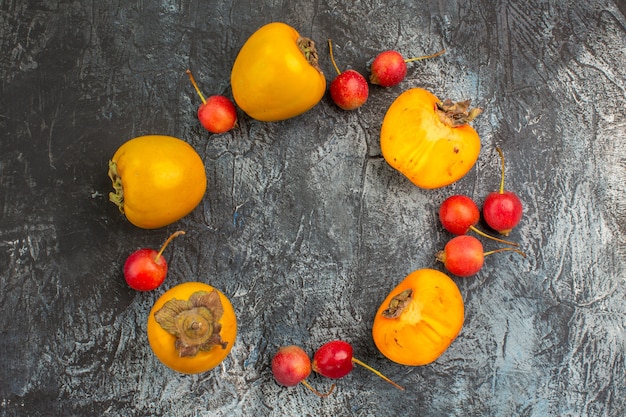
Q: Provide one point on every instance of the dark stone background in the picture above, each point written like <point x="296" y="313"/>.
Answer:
<point x="304" y="226"/>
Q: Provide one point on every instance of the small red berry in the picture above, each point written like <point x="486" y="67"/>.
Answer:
<point x="145" y="269"/>
<point x="462" y="256"/>
<point x="502" y="210"/>
<point x="291" y="365"/>
<point x="349" y="90"/>
<point x="217" y="114"/>
<point x="334" y="360"/>
<point x="389" y="67"/>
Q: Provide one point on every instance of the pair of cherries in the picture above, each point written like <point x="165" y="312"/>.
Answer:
<point x="291" y="365"/>
<point x="350" y="90"/>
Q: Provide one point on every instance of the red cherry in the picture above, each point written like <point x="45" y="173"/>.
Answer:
<point x="334" y="360"/>
<point x="458" y="214"/>
<point x="145" y="269"/>
<point x="291" y="365"/>
<point x="463" y="255"/>
<point x="217" y="113"/>
<point x="389" y="67"/>
<point x="502" y="210"/>
<point x="349" y="90"/>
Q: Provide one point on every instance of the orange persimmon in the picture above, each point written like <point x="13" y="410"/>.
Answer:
<point x="428" y="140"/>
<point x="192" y="327"/>
<point x="276" y="74"/>
<point x="157" y="180"/>
<point x="419" y="319"/>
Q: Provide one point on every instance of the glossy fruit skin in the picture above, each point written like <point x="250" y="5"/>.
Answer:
<point x="416" y="142"/>
<point x="162" y="342"/>
<point x="162" y="179"/>
<point x="457" y="213"/>
<point x="349" y="90"/>
<point x="272" y="79"/>
<point x="333" y="359"/>
<point x="463" y="256"/>
<point x="388" y="69"/>
<point x="142" y="272"/>
<point x="425" y="328"/>
<point x="502" y="211"/>
<point x="290" y="365"/>
<point x="218" y="114"/>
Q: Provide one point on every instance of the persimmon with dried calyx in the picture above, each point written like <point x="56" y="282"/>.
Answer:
<point x="276" y="74"/>
<point x="419" y="319"/>
<point x="429" y="140"/>
<point x="192" y="328"/>
<point x="157" y="180"/>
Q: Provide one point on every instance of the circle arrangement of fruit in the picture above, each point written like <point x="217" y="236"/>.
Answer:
<point x="158" y="180"/>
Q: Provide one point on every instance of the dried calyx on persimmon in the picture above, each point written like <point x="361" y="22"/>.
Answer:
<point x="194" y="322"/>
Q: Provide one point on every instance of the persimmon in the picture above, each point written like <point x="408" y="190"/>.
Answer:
<point x="157" y="180"/>
<point x="276" y="74"/>
<point x="429" y="140"/>
<point x="192" y="327"/>
<point x="419" y="319"/>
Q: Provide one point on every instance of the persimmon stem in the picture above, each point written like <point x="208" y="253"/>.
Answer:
<point x="419" y="58"/>
<point x="502" y="179"/>
<point x="307" y="46"/>
<point x="167" y="242"/>
<point x="369" y="368"/>
<point x="316" y="392"/>
<point x="483" y="234"/>
<point x="491" y="252"/>
<point x="332" y="57"/>
<point x="195" y="85"/>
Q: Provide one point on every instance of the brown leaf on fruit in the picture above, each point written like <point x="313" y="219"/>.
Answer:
<point x="398" y="304"/>
<point x="194" y="322"/>
<point x="456" y="113"/>
<point x="307" y="46"/>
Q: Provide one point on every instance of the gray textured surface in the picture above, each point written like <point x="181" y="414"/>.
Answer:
<point x="304" y="226"/>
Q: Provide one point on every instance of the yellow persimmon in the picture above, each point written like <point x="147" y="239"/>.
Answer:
<point x="429" y="141"/>
<point x="192" y="327"/>
<point x="157" y="180"/>
<point x="419" y="319"/>
<point x="276" y="75"/>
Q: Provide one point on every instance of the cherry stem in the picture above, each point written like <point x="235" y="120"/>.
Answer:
<point x="419" y="58"/>
<point x="195" y="85"/>
<point x="369" y="368"/>
<point x="483" y="234"/>
<point x="491" y="252"/>
<point x="332" y="57"/>
<point x="316" y="392"/>
<point x="502" y="180"/>
<point x="167" y="242"/>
